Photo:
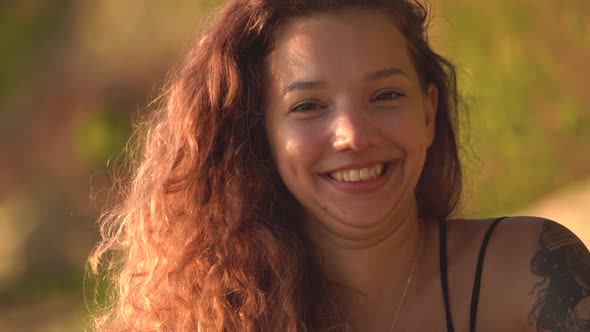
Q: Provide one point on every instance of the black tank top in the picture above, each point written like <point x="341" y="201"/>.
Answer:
<point x="476" y="282"/>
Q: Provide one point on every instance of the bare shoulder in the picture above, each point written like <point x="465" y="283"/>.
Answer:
<point x="520" y="236"/>
<point x="561" y="293"/>
<point x="536" y="275"/>
<point x="515" y="226"/>
<point x="558" y="277"/>
<point x="513" y="235"/>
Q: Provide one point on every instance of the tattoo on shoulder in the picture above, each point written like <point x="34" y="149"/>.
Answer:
<point x="563" y="293"/>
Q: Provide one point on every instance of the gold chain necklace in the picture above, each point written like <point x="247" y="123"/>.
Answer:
<point x="401" y="301"/>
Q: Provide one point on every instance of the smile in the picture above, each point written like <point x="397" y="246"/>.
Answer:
<point x="359" y="174"/>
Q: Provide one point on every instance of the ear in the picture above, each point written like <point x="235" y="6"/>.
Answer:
<point x="430" y="107"/>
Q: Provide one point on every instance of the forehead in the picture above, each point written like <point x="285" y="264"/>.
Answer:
<point x="346" y="43"/>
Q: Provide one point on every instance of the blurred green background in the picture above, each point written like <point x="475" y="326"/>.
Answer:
<point x="75" y="73"/>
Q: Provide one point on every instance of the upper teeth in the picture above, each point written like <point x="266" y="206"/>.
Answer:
<point x="362" y="174"/>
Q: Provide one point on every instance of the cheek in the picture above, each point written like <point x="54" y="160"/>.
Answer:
<point x="291" y="148"/>
<point x="289" y="152"/>
<point x="405" y="128"/>
<point x="296" y="150"/>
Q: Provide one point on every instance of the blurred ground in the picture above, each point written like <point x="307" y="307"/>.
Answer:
<point x="569" y="206"/>
<point x="52" y="315"/>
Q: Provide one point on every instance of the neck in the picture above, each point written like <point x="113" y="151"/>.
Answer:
<point x="374" y="268"/>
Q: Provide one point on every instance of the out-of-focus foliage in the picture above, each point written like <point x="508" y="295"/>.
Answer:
<point x="524" y="74"/>
<point x="75" y="73"/>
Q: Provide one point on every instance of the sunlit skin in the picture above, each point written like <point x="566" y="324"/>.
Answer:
<point x="360" y="102"/>
<point x="343" y="94"/>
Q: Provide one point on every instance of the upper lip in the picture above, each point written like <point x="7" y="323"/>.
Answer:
<point x="357" y="165"/>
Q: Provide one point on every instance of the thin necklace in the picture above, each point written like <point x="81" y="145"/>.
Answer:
<point x="401" y="302"/>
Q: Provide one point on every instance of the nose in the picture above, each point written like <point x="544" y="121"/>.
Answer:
<point x="354" y="131"/>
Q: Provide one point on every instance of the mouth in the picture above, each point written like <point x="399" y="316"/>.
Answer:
<point x="360" y="174"/>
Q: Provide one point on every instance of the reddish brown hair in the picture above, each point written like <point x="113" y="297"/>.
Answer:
<point x="206" y="237"/>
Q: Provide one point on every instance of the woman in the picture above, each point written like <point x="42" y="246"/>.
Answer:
<point x="301" y="176"/>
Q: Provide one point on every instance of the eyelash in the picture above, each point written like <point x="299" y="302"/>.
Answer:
<point x="396" y="94"/>
<point x="298" y="108"/>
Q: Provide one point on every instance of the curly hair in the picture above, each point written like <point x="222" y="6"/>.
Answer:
<point x="206" y="236"/>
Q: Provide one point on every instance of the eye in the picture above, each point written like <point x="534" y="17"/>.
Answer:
<point x="306" y="107"/>
<point x="387" y="96"/>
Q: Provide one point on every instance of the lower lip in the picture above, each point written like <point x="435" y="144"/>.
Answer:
<point x="365" y="186"/>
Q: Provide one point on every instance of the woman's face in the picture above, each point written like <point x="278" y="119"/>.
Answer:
<point x="347" y="119"/>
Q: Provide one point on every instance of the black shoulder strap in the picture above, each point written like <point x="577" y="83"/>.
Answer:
<point x="443" y="272"/>
<point x="478" y="272"/>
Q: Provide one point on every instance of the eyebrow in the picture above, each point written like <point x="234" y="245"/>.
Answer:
<point x="372" y="76"/>
<point x="385" y="73"/>
<point x="304" y="85"/>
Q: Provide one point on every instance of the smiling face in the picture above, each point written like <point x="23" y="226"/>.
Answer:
<point x="347" y="119"/>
